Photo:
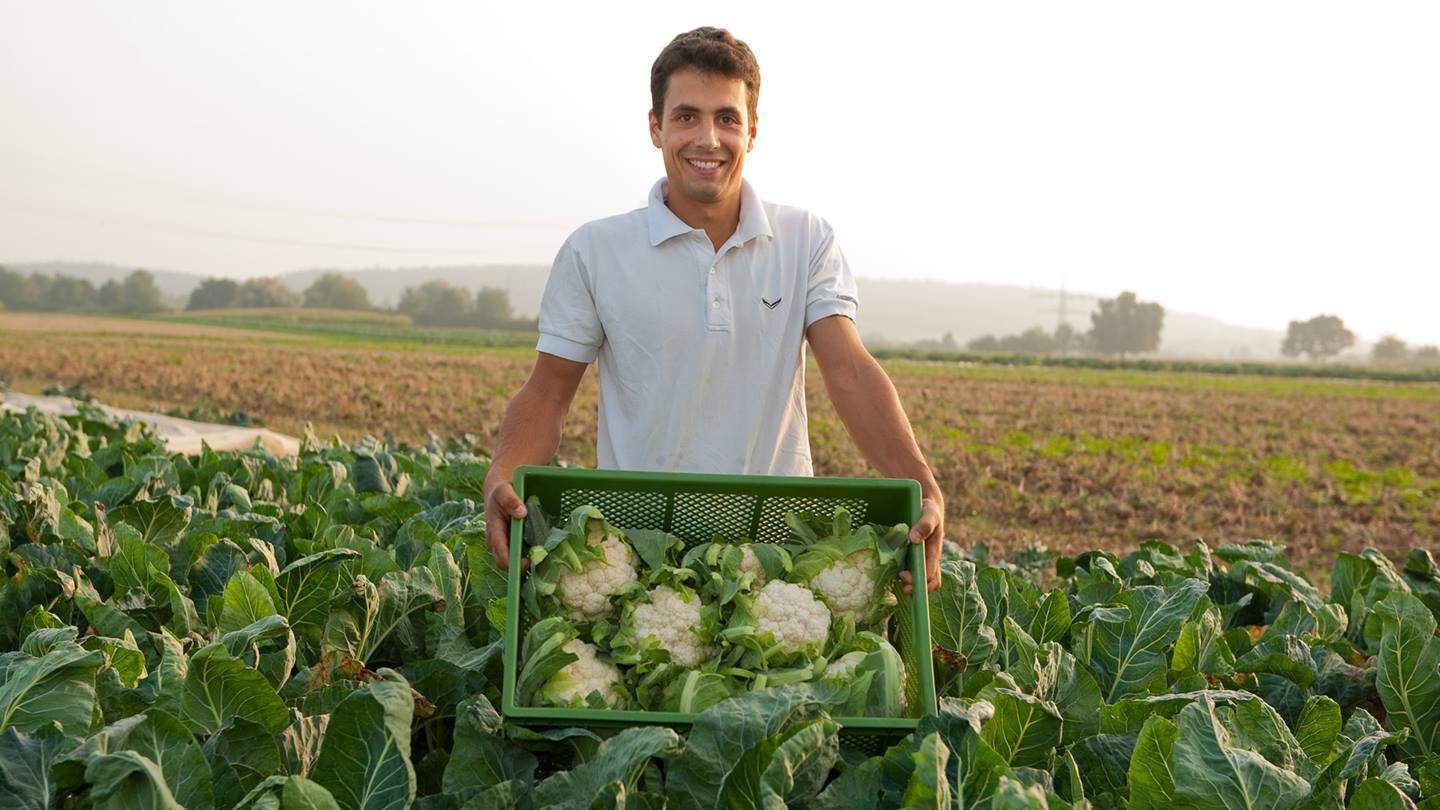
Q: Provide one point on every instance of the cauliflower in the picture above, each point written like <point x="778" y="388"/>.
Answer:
<point x="848" y="585"/>
<point x="577" y="679"/>
<point x="671" y="619"/>
<point x="844" y="665"/>
<point x="792" y="616"/>
<point x="586" y="593"/>
<point x="750" y="564"/>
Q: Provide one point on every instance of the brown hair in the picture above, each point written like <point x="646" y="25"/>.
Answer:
<point x="710" y="50"/>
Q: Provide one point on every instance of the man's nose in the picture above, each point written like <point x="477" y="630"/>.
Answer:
<point x="709" y="137"/>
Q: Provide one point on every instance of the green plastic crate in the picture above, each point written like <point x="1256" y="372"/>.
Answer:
<point x="696" y="507"/>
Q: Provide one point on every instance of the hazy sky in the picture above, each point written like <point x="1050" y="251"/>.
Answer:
<point x="1256" y="161"/>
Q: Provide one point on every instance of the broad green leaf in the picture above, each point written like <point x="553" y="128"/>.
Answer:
<point x="1409" y="676"/>
<point x="159" y="522"/>
<point x="25" y="781"/>
<point x="243" y="756"/>
<point x="1378" y="794"/>
<point x="246" y="602"/>
<point x="218" y="686"/>
<point x="785" y="769"/>
<point x="1149" y="776"/>
<point x="957" y="616"/>
<point x="722" y="734"/>
<point x="300" y="793"/>
<point x="1024" y="730"/>
<point x="929" y="785"/>
<point x="481" y="754"/>
<point x="58" y="687"/>
<point x="1012" y="794"/>
<point x="1209" y="772"/>
<point x="1104" y="761"/>
<point x="1319" y="728"/>
<point x="126" y="780"/>
<point x="621" y="758"/>
<point x="1131" y="640"/>
<point x="307" y="587"/>
<point x="365" y="758"/>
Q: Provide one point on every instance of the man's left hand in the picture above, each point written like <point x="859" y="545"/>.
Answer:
<point x="930" y="530"/>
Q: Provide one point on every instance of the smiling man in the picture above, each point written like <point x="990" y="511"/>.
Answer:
<point x="697" y="308"/>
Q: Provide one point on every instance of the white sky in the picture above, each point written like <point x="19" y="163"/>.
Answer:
<point x="1256" y="161"/>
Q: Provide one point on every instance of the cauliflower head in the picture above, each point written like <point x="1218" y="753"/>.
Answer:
<point x="843" y="666"/>
<point x="577" y="679"/>
<point x="586" y="593"/>
<point x="848" y="585"/>
<point x="792" y="615"/>
<point x="671" y="620"/>
<point x="750" y="564"/>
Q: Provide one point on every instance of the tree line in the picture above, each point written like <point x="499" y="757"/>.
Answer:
<point x="434" y="303"/>
<point x="136" y="294"/>
<point x="1119" y="326"/>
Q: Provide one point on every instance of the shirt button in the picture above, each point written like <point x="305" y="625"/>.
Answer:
<point x="715" y="304"/>
<point x="712" y="270"/>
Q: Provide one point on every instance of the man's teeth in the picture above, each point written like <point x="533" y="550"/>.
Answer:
<point x="705" y="164"/>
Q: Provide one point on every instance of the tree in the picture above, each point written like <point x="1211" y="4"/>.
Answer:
<point x="1124" y="324"/>
<point x="65" y="294"/>
<point x="214" y="293"/>
<point x="16" y="290"/>
<point x="1321" y="336"/>
<point x="492" y="308"/>
<point x="334" y="291"/>
<point x="1428" y="355"/>
<point x="266" y="292"/>
<point x="136" y="295"/>
<point x="436" y="303"/>
<point x="1389" y="349"/>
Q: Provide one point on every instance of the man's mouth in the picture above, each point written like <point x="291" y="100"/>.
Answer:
<point x="705" y="166"/>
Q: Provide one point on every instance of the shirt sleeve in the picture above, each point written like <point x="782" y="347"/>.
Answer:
<point x="569" y="323"/>
<point x="832" y="289"/>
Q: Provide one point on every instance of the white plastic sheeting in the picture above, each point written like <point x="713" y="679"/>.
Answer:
<point x="180" y="435"/>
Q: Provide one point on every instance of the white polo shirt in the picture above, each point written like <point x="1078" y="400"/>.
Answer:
<point x="700" y="352"/>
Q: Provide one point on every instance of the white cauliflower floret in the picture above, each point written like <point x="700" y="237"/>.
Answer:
<point x="580" y="677"/>
<point x="750" y="564"/>
<point x="848" y="586"/>
<point x="792" y="614"/>
<point x="586" y="593"/>
<point x="844" y="665"/>
<point x="671" y="621"/>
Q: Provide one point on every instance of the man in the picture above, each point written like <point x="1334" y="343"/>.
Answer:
<point x="697" y="308"/>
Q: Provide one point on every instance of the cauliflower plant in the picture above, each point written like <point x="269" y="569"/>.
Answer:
<point x="671" y="619"/>
<point x="849" y="569"/>
<point x="574" y="682"/>
<point x="843" y="666"/>
<point x="586" y="593"/>
<point x="794" y="618"/>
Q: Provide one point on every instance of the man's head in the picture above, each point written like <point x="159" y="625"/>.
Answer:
<point x="704" y="89"/>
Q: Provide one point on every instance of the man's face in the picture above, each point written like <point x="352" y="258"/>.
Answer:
<point x="704" y="135"/>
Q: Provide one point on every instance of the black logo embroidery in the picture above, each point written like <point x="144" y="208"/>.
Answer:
<point x="770" y="304"/>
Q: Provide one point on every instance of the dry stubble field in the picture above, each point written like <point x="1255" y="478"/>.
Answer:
<point x="1069" y="459"/>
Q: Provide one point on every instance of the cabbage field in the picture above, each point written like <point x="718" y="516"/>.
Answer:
<point x="239" y="630"/>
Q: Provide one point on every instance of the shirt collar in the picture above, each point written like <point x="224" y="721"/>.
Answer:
<point x="665" y="225"/>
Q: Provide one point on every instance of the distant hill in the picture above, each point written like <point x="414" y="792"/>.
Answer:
<point x="890" y="311"/>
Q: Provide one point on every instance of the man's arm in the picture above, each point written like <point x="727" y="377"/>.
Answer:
<point x="529" y="434"/>
<point x="867" y="403"/>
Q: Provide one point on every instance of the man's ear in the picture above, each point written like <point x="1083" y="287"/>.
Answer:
<point x="654" y="129"/>
<point x="753" y="120"/>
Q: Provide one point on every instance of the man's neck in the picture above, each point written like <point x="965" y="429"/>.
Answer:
<point x="719" y="220"/>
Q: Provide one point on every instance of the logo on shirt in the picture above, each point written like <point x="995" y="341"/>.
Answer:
<point x="770" y="304"/>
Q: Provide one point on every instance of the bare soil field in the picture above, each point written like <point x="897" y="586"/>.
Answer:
<point x="1070" y="460"/>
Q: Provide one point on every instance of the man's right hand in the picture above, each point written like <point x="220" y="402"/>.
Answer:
<point x="501" y="504"/>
